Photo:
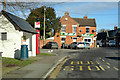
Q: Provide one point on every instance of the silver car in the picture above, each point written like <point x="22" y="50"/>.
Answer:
<point x="81" y="45"/>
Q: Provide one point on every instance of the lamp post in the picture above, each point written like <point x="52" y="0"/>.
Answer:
<point x="44" y="26"/>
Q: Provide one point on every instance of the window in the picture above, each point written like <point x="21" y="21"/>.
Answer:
<point x="87" y="30"/>
<point x="4" y="36"/>
<point x="80" y="30"/>
<point x="63" y="29"/>
<point x="66" y="18"/>
<point x="63" y="39"/>
<point x="87" y="40"/>
<point x="74" y="40"/>
<point x="93" y="31"/>
<point x="74" y="29"/>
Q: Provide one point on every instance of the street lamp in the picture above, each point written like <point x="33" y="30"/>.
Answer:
<point x="44" y="26"/>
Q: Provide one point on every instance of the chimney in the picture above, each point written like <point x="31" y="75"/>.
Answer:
<point x="67" y="13"/>
<point x="116" y="27"/>
<point x="85" y="17"/>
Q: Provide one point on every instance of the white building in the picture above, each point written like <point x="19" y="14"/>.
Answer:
<point x="12" y="30"/>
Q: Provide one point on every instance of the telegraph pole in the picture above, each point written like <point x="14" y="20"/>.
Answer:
<point x="44" y="26"/>
<point x="4" y="5"/>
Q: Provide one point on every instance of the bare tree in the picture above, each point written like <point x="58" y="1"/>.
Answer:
<point x="23" y="7"/>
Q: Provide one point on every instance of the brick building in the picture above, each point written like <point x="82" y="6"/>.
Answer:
<point x="76" y="30"/>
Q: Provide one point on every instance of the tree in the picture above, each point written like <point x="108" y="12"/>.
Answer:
<point x="103" y="30"/>
<point x="51" y="22"/>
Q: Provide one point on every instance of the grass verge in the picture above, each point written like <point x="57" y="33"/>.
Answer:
<point x="46" y="54"/>
<point x="10" y="64"/>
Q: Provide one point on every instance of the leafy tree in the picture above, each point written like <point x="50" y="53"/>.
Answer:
<point x="51" y="22"/>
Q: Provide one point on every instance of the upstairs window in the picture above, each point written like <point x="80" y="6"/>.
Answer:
<point x="87" y="30"/>
<point x="74" y="29"/>
<point x="63" y="28"/>
<point x="4" y="36"/>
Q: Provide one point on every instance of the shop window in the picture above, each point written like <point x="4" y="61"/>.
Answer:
<point x="87" y="40"/>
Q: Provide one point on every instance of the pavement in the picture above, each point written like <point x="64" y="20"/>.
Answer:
<point x="37" y="69"/>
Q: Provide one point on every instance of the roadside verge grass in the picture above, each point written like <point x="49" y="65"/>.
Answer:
<point x="48" y="54"/>
<point x="9" y="64"/>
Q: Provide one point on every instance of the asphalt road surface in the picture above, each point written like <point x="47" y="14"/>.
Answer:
<point x="91" y="63"/>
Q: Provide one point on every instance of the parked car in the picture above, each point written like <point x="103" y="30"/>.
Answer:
<point x="51" y="45"/>
<point x="72" y="45"/>
<point x="112" y="43"/>
<point x="87" y="45"/>
<point x="81" y="45"/>
<point x="64" y="46"/>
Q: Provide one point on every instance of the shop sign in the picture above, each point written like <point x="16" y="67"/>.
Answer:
<point x="87" y="35"/>
<point x="68" y="34"/>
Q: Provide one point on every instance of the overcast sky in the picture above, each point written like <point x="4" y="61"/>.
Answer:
<point x="105" y="13"/>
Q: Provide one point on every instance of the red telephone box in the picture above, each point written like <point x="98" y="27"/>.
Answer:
<point x="38" y="42"/>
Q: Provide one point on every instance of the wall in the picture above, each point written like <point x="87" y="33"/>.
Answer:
<point x="69" y="29"/>
<point x="33" y="45"/>
<point x="28" y="42"/>
<point x="11" y="46"/>
<point x="46" y="41"/>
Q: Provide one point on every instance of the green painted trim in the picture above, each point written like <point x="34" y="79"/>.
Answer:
<point x="68" y="34"/>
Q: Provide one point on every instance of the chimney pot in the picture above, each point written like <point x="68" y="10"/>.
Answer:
<point x="116" y="27"/>
<point x="85" y="17"/>
<point x="67" y="13"/>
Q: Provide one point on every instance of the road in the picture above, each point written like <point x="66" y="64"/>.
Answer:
<point x="90" y="63"/>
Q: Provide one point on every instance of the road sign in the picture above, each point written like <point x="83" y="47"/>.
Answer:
<point x="37" y="24"/>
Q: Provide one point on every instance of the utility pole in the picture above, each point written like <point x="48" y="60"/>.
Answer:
<point x="4" y="5"/>
<point x="44" y="26"/>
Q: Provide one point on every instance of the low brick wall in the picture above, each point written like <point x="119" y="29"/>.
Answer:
<point x="46" y="41"/>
